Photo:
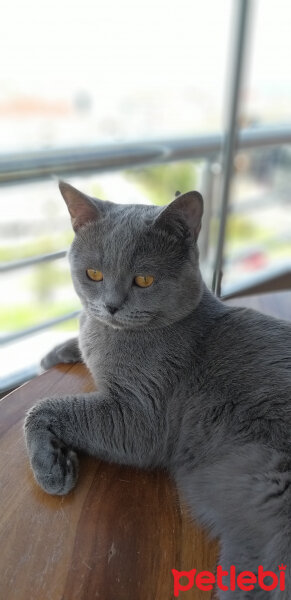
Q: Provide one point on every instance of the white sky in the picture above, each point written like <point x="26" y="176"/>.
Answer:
<point x="112" y="47"/>
<point x="113" y="43"/>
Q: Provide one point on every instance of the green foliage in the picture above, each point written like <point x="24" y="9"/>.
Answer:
<point x="240" y="228"/>
<point x="97" y="191"/>
<point x="27" y="315"/>
<point x="162" y="182"/>
<point x="41" y="245"/>
<point x="46" y="278"/>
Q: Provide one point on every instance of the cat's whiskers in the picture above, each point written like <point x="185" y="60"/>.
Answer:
<point x="120" y="320"/>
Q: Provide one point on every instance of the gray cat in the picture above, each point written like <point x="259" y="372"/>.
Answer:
<point x="184" y="382"/>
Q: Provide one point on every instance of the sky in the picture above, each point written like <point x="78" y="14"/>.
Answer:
<point x="110" y="44"/>
<point x="117" y="49"/>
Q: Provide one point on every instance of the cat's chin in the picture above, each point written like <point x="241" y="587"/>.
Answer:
<point x="114" y="325"/>
<point x="122" y="325"/>
<point x="125" y="325"/>
<point x="109" y="322"/>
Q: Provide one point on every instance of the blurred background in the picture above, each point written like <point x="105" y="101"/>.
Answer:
<point x="130" y="101"/>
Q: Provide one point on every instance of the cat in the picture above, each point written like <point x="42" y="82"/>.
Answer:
<point x="184" y="382"/>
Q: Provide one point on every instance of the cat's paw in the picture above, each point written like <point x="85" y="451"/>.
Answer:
<point x="55" y="465"/>
<point x="55" y="468"/>
<point x="66" y="352"/>
<point x="49" y="360"/>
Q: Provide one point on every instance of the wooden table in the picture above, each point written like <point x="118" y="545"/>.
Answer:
<point x="117" y="535"/>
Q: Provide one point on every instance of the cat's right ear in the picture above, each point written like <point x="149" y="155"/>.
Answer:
<point x="81" y="207"/>
<point x="189" y="207"/>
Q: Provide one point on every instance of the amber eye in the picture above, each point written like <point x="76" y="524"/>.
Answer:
<point x="144" y="280"/>
<point x="94" y="275"/>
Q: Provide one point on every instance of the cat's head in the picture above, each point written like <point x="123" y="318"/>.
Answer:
<point x="135" y="266"/>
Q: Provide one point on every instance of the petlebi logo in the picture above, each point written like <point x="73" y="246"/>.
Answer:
<point x="245" y="580"/>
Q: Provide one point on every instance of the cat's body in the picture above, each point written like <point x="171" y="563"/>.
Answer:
<point x="199" y="388"/>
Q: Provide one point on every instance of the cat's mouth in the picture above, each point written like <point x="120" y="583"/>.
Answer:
<point x="119" y="321"/>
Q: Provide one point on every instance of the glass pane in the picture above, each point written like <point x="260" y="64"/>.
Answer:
<point x="86" y="72"/>
<point x="267" y="98"/>
<point x="258" y="236"/>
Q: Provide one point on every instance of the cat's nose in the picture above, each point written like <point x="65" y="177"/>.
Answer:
<point x="111" y="308"/>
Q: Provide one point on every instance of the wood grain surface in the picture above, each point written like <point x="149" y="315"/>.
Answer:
<point x="116" y="536"/>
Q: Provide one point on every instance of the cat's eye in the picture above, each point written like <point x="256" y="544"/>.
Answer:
<point x="143" y="280"/>
<point x="94" y="275"/>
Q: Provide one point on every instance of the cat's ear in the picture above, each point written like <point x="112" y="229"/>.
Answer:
<point x="189" y="207"/>
<point x="81" y="207"/>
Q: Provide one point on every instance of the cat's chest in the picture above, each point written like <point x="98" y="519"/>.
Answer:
<point x="129" y="355"/>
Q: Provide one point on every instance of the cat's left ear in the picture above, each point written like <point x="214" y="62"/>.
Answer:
<point x="189" y="206"/>
<point x="81" y="207"/>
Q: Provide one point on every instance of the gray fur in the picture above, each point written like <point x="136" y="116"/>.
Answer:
<point x="184" y="382"/>
<point x="66" y="352"/>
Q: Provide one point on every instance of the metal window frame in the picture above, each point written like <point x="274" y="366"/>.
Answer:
<point x="57" y="163"/>
<point x="17" y="169"/>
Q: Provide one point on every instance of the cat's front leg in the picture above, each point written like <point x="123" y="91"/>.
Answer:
<point x="66" y="352"/>
<point x="113" y="429"/>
